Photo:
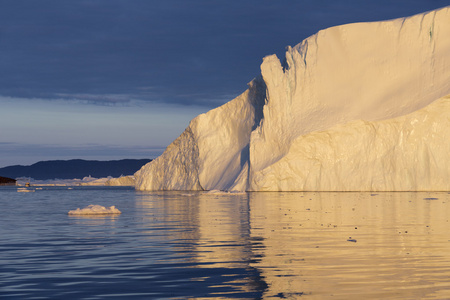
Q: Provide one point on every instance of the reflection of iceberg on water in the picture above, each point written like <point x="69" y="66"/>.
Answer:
<point x="402" y="249"/>
<point x="95" y="210"/>
<point x="213" y="227"/>
<point x="355" y="107"/>
<point x="296" y="245"/>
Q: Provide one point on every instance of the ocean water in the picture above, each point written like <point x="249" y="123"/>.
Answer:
<point x="199" y="245"/>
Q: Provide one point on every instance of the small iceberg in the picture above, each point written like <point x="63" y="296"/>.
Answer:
<point x="24" y="190"/>
<point x="95" y="210"/>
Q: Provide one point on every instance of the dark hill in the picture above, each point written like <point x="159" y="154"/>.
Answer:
<point x="75" y="168"/>
<point x="7" y="181"/>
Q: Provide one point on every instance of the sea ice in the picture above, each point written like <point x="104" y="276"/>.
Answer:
<point x="86" y="181"/>
<point x="95" y="210"/>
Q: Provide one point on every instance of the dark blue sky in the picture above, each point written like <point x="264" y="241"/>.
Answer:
<point x="112" y="78"/>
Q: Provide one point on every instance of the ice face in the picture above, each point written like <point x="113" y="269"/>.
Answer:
<point x="281" y="134"/>
<point x="407" y="153"/>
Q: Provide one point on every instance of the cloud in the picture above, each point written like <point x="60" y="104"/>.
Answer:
<point x="130" y="125"/>
<point x="114" y="47"/>
<point x="100" y="99"/>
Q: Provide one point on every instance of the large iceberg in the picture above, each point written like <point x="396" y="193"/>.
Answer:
<point x="357" y="107"/>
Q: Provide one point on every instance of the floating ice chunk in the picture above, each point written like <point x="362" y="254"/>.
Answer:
<point x="95" y="210"/>
<point x="24" y="190"/>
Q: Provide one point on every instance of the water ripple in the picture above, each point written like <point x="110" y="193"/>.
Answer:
<point x="250" y="246"/>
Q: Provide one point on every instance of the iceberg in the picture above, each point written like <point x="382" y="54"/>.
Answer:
<point x="121" y="181"/>
<point x="109" y="181"/>
<point x="356" y="107"/>
<point x="95" y="210"/>
<point x="86" y="181"/>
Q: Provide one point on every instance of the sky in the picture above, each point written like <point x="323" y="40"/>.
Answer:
<point x="114" y="79"/>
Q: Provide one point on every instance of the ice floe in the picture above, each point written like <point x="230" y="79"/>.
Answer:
<point x="95" y="210"/>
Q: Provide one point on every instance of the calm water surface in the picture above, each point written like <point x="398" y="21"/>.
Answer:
<point x="178" y="245"/>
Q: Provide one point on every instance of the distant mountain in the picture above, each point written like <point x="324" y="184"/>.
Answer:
<point x="75" y="168"/>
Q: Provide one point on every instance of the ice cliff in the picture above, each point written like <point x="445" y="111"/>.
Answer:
<point x="358" y="107"/>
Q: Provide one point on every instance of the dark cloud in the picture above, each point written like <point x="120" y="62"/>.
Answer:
<point x="174" y="51"/>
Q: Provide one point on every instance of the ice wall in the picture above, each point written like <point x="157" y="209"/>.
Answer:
<point x="365" y="71"/>
<point x="212" y="152"/>
<point x="407" y="153"/>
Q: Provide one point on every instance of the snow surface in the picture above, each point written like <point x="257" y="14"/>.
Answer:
<point x="95" y="210"/>
<point x="353" y="107"/>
